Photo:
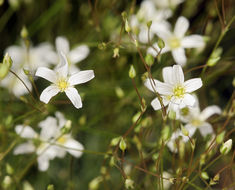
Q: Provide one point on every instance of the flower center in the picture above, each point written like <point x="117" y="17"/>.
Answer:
<point x="196" y="122"/>
<point x="179" y="91"/>
<point x="61" y="140"/>
<point x="62" y="85"/>
<point x="174" y="43"/>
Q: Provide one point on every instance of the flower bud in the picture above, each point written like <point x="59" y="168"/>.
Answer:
<point x="132" y="72"/>
<point x="172" y="114"/>
<point x="5" y="66"/>
<point x="115" y="141"/>
<point x="149" y="59"/>
<point x="24" y="33"/>
<point x="166" y="133"/>
<point x="226" y="147"/>
<point x="27" y="186"/>
<point x="149" y="23"/>
<point x="122" y="145"/>
<point x="119" y="92"/>
<point x="7" y="181"/>
<point x="184" y="131"/>
<point x="50" y="187"/>
<point x="127" y="26"/>
<point x="102" y="46"/>
<point x="220" y="138"/>
<point x="129" y="184"/>
<point x="67" y="127"/>
<point x="160" y="43"/>
<point x="116" y="52"/>
<point x="205" y="175"/>
<point x="9" y="169"/>
<point x="95" y="183"/>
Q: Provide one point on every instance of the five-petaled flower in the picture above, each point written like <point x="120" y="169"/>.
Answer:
<point x="175" y="92"/>
<point x="63" y="82"/>
<point x="176" y="41"/>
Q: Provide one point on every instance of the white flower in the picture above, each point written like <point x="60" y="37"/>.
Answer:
<point x="163" y="4"/>
<point x="176" y="41"/>
<point x="196" y="119"/>
<point x="63" y="82"/>
<point x="50" y="143"/>
<point x="175" y="91"/>
<point x="31" y="60"/>
<point x="77" y="54"/>
<point x="148" y="12"/>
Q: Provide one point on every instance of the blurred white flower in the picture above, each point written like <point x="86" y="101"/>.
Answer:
<point x="196" y="119"/>
<point x="175" y="92"/>
<point x="146" y="13"/>
<point x="176" y="41"/>
<point x="63" y="82"/>
<point x="29" y="59"/>
<point x="164" y="4"/>
<point x="50" y="143"/>
<point x="73" y="56"/>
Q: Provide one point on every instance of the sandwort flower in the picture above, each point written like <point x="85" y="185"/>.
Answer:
<point x="75" y="55"/>
<point x="196" y="119"/>
<point x="50" y="143"/>
<point x="24" y="58"/>
<point x="176" y="41"/>
<point x="175" y="92"/>
<point x="63" y="82"/>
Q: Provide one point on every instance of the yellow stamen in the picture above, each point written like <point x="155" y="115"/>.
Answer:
<point x="61" y="140"/>
<point x="62" y="85"/>
<point x="179" y="91"/>
<point x="174" y="43"/>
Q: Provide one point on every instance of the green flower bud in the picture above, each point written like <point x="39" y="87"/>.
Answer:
<point x="116" y="52"/>
<point x="7" y="181"/>
<point x="132" y="72"/>
<point x="5" y="66"/>
<point x="95" y="183"/>
<point x="149" y="23"/>
<point x="9" y="169"/>
<point x="184" y="131"/>
<point x="205" y="175"/>
<point x="122" y="145"/>
<point x="50" y="187"/>
<point x="119" y="92"/>
<point x="160" y="43"/>
<point x="166" y="133"/>
<point x="220" y="137"/>
<point x="115" y="141"/>
<point x="127" y="26"/>
<point x="149" y="59"/>
<point x="24" y="33"/>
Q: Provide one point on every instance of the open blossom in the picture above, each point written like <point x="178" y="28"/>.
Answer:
<point x="196" y="119"/>
<point x="146" y="13"/>
<point x="50" y="143"/>
<point x="63" y="82"/>
<point x="73" y="56"/>
<point x="176" y="41"/>
<point x="29" y="59"/>
<point x="175" y="92"/>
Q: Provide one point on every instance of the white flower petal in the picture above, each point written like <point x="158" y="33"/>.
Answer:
<point x="48" y="93"/>
<point x="25" y="131"/>
<point x="192" y="84"/>
<point x="156" y="103"/>
<point x="206" y="129"/>
<point x="160" y="87"/>
<point x="209" y="111"/>
<point x="191" y="129"/>
<point x="73" y="144"/>
<point x="17" y="55"/>
<point x="62" y="68"/>
<point x="75" y="98"/>
<point x="192" y="41"/>
<point x="178" y="75"/>
<point x="81" y="77"/>
<point x="46" y="73"/>
<point x="78" y="53"/>
<point x="181" y="26"/>
<point x="49" y="128"/>
<point x="179" y="56"/>
<point x="62" y="44"/>
<point x="24" y="148"/>
<point x="188" y="100"/>
<point x="167" y="74"/>
<point x="43" y="162"/>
